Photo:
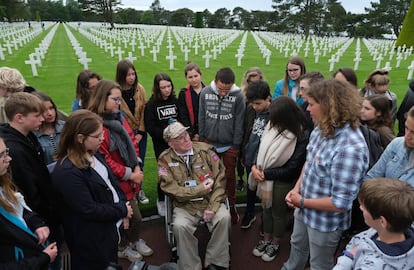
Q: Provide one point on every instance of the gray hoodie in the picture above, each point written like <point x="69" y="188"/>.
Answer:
<point x="221" y="119"/>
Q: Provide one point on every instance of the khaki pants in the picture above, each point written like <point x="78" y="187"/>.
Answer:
<point x="184" y="227"/>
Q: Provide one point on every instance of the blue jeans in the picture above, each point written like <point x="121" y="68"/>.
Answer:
<point x="305" y="241"/>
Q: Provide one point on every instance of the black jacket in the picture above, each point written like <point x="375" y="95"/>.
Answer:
<point x="30" y="173"/>
<point x="13" y="238"/>
<point x="290" y="171"/>
<point x="156" y="116"/>
<point x="405" y="106"/>
<point x="89" y="214"/>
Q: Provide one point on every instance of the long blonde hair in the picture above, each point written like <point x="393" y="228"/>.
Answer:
<point x="9" y="190"/>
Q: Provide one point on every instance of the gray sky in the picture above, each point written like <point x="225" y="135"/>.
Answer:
<point x="354" y="6"/>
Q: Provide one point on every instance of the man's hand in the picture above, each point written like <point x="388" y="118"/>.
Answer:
<point x="208" y="184"/>
<point x="208" y="215"/>
<point x="42" y="233"/>
<point x="293" y="198"/>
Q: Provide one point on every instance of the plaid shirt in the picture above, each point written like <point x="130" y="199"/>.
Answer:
<point x="334" y="168"/>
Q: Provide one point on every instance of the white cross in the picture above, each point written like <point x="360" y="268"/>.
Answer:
<point x="410" y="72"/>
<point x="111" y="49"/>
<point x="357" y="59"/>
<point x="1" y="52"/>
<point x="8" y="45"/>
<point x="142" y="47"/>
<point x="399" y="58"/>
<point x="379" y="59"/>
<point x="214" y="50"/>
<point x="186" y="51"/>
<point x="332" y="63"/>
<point x="196" y="46"/>
<point x="387" y="66"/>
<point x="207" y="56"/>
<point x="84" y="60"/>
<point x="32" y="62"/>
<point x="239" y="56"/>
<point x="133" y="45"/>
<point x="171" y="57"/>
<point x="286" y="51"/>
<point x="119" y="52"/>
<point x="131" y="57"/>
<point x="317" y="53"/>
<point x="154" y="54"/>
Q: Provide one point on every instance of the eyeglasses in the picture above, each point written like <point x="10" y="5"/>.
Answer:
<point x="99" y="136"/>
<point x="5" y="153"/>
<point x="294" y="70"/>
<point x="116" y="99"/>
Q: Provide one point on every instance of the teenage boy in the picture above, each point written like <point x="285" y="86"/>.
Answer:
<point x="221" y="119"/>
<point x="388" y="208"/>
<point x="24" y="112"/>
<point x="259" y="99"/>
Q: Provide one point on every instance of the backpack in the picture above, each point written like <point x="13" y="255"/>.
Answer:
<point x="374" y="144"/>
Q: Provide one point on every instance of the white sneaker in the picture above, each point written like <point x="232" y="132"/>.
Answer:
<point x="142" y="248"/>
<point x="130" y="254"/>
<point x="142" y="198"/>
<point x="161" y="208"/>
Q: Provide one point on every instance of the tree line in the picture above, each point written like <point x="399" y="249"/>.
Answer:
<point x="319" y="17"/>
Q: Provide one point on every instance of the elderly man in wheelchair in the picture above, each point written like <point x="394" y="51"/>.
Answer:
<point x="192" y="175"/>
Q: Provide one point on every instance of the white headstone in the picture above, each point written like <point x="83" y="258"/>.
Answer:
<point x="119" y="52"/>
<point x="131" y="57"/>
<point x="410" y="71"/>
<point x="154" y="54"/>
<point x="171" y="57"/>
<point x="207" y="57"/>
<point x="32" y="62"/>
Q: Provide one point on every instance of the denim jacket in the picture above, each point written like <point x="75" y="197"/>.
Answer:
<point x="49" y="143"/>
<point x="394" y="163"/>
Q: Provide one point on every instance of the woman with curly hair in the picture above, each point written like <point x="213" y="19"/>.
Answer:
<point x="336" y="162"/>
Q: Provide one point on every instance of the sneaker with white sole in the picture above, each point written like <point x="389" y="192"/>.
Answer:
<point x="142" y="198"/>
<point x="130" y="254"/>
<point x="260" y="249"/>
<point x="161" y="208"/>
<point x="270" y="253"/>
<point x="142" y="248"/>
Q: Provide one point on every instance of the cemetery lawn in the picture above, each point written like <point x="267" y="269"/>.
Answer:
<point x="57" y="76"/>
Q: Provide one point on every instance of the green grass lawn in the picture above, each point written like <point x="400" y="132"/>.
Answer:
<point x="59" y="70"/>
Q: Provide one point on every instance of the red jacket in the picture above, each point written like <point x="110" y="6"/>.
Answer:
<point x="115" y="162"/>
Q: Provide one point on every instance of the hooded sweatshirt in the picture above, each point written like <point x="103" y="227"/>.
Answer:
<point x="221" y="119"/>
<point x="373" y="254"/>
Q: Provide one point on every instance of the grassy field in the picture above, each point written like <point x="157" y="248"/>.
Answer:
<point x="59" y="70"/>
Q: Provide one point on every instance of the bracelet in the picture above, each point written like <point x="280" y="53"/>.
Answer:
<point x="302" y="203"/>
<point x="348" y="254"/>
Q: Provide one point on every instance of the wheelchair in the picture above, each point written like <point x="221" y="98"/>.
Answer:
<point x="202" y="232"/>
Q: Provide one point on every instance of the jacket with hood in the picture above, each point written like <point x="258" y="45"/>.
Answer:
<point x="221" y="119"/>
<point x="30" y="173"/>
<point x="405" y="106"/>
<point x="369" y="255"/>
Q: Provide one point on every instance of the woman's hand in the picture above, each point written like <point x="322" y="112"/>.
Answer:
<point x="52" y="251"/>
<point x="42" y="233"/>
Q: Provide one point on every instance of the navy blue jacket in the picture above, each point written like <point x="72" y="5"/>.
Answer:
<point x="89" y="214"/>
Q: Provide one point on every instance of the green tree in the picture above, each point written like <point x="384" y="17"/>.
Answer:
<point x="104" y="8"/>
<point x="239" y="15"/>
<point x="74" y="11"/>
<point x="388" y="14"/>
<point x="11" y="9"/>
<point x="220" y="19"/>
<point x="182" y="17"/>
<point x="406" y="35"/>
<point x="198" y="23"/>
<point x="157" y="11"/>
<point x="129" y="15"/>
<point x="334" y="17"/>
<point x="302" y="16"/>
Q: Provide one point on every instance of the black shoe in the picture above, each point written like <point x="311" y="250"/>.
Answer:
<point x="215" y="267"/>
<point x="247" y="220"/>
<point x="240" y="185"/>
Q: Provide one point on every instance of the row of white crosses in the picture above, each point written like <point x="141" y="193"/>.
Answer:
<point x="266" y="53"/>
<point x="15" y="36"/>
<point x="82" y="58"/>
<point x="240" y="51"/>
<point x="35" y="59"/>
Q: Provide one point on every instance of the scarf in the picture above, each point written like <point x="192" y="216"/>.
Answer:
<point x="275" y="149"/>
<point x="119" y="139"/>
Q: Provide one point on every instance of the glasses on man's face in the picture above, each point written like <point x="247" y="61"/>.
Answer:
<point x="4" y="154"/>
<point x="99" y="136"/>
<point x="116" y="99"/>
<point x="293" y="70"/>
